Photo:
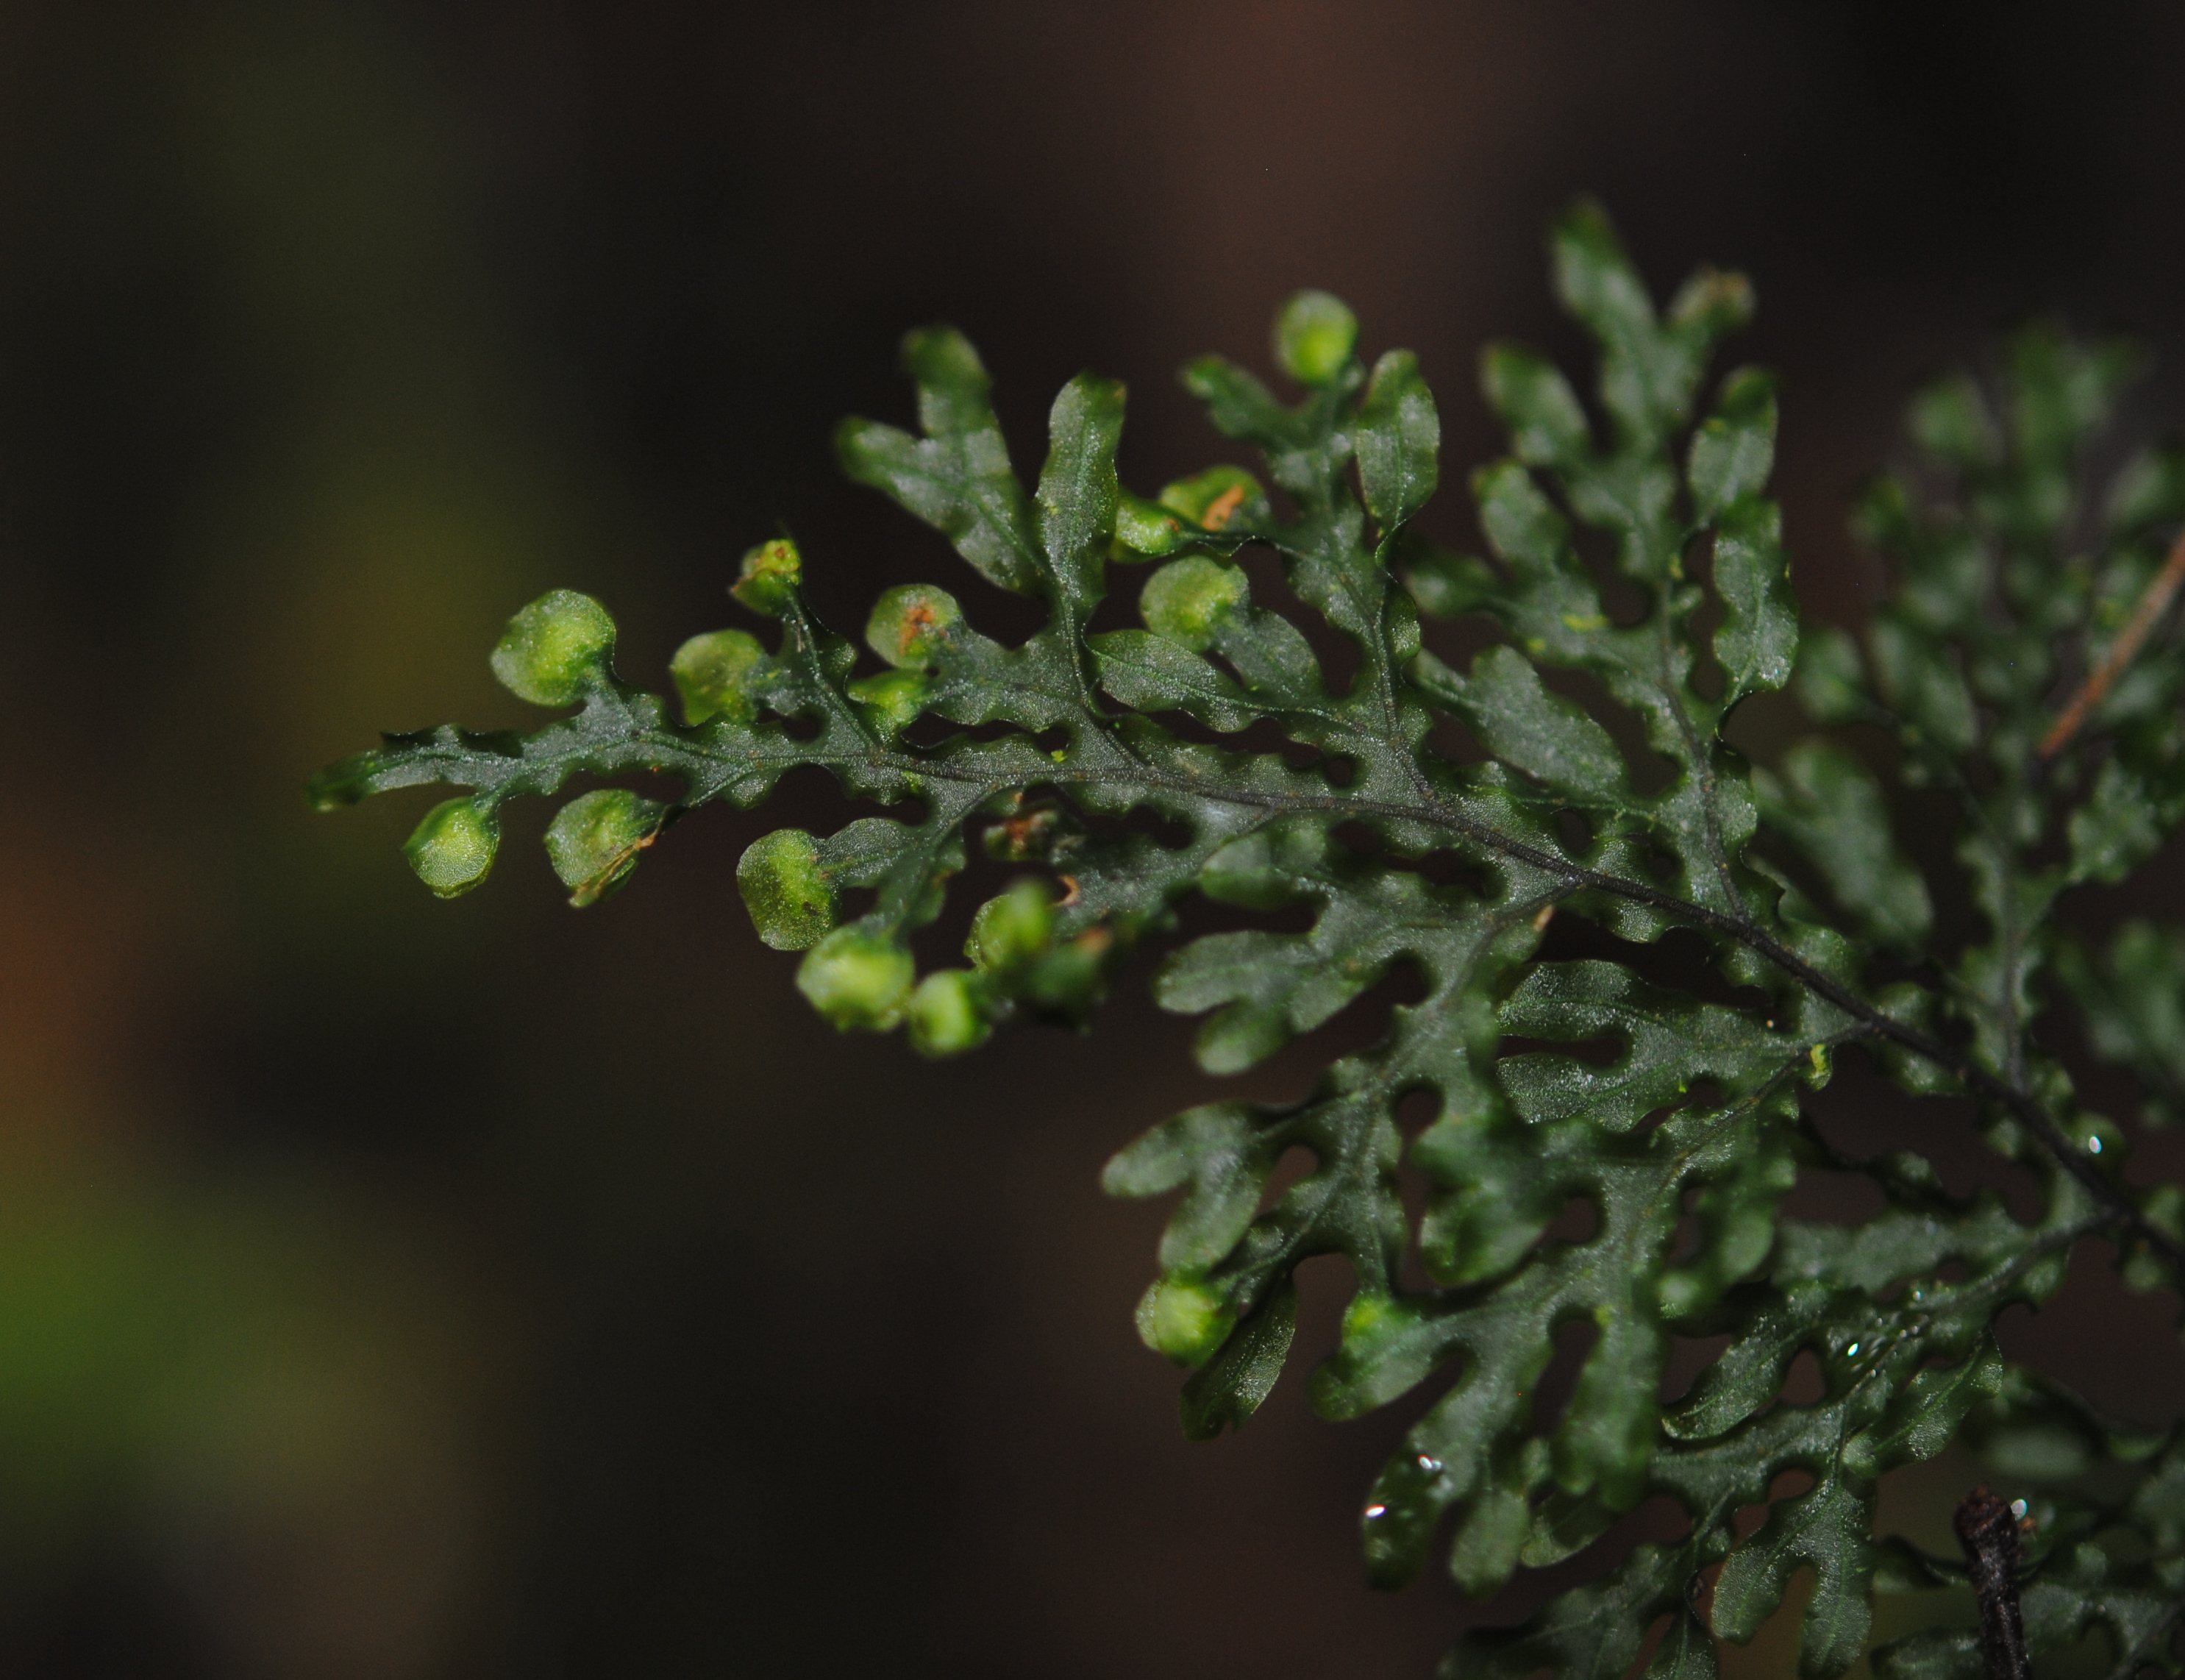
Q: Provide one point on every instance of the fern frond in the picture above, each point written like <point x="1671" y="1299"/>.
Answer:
<point x="1791" y="877"/>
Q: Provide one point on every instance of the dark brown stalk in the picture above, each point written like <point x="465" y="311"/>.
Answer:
<point x="1988" y="1530"/>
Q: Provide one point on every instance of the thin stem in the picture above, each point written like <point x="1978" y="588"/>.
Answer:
<point x="2125" y="648"/>
<point x="1987" y="1528"/>
<point x="2014" y="951"/>
<point x="2020" y="1102"/>
<point x="659" y="751"/>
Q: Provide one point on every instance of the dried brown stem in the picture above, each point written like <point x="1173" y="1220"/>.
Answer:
<point x="1988" y="1529"/>
<point x="2122" y="652"/>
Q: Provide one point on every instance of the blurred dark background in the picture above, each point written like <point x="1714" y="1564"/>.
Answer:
<point x="396" y="1289"/>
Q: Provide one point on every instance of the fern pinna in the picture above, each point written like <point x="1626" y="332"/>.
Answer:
<point x="2012" y="583"/>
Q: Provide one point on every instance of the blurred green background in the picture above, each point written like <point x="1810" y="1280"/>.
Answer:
<point x="397" y="1288"/>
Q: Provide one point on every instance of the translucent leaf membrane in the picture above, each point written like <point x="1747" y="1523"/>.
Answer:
<point x="1678" y="1120"/>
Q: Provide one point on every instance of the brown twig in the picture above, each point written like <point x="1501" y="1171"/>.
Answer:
<point x="1988" y="1529"/>
<point x="2122" y="650"/>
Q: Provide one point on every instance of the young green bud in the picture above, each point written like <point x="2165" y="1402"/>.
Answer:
<point x="1217" y="498"/>
<point x="593" y="841"/>
<point x="716" y="675"/>
<point x="1314" y="337"/>
<point x="910" y="625"/>
<point x="1145" y="530"/>
<point x="1183" y="1319"/>
<point x="452" y="848"/>
<point x="1071" y="978"/>
<point x="790" y="902"/>
<point x="1013" y="929"/>
<point x="856" y="979"/>
<point x="948" y="1014"/>
<point x="1187" y="599"/>
<point x="770" y="576"/>
<point x="896" y="698"/>
<point x="555" y="649"/>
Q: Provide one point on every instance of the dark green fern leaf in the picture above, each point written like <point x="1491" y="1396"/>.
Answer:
<point x="1685" y="1134"/>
